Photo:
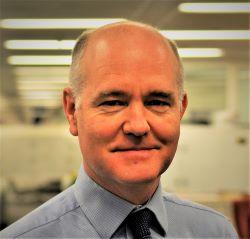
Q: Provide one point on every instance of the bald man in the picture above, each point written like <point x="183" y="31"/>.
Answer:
<point x="125" y="102"/>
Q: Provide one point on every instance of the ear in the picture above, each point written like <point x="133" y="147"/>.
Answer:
<point x="69" y="110"/>
<point x="184" y="104"/>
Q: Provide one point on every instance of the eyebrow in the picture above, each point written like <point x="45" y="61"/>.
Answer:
<point x="161" y="94"/>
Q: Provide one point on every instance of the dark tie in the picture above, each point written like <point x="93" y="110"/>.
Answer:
<point x="140" y="222"/>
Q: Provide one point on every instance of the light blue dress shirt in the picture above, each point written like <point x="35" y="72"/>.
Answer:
<point x="86" y="210"/>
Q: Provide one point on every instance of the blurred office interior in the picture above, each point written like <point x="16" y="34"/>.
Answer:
<point x="39" y="157"/>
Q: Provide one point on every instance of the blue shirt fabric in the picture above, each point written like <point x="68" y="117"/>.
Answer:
<point x="86" y="210"/>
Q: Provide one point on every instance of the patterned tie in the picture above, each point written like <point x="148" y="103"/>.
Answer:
<point x="139" y="223"/>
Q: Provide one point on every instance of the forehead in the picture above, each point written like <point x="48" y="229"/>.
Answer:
<point x="128" y="51"/>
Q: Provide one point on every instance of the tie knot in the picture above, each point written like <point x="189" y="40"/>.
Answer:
<point x="140" y="222"/>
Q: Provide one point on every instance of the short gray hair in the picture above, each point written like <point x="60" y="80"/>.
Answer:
<point x="76" y="75"/>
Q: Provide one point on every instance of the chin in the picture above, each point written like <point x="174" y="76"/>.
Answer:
<point x="139" y="178"/>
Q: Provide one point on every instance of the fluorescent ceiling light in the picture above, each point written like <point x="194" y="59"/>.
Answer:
<point x="39" y="86"/>
<point x="207" y="34"/>
<point x="175" y="35"/>
<point x="223" y="7"/>
<point x="39" y="44"/>
<point x="88" y="23"/>
<point x="40" y="80"/>
<point x="66" y="60"/>
<point x="48" y="103"/>
<point x="40" y="94"/>
<point x="48" y="72"/>
<point x="200" y="52"/>
<point x="39" y="60"/>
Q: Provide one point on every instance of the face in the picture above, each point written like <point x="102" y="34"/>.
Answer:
<point x="128" y="123"/>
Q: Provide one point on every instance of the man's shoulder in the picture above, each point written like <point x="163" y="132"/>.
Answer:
<point x="173" y="201"/>
<point x="44" y="216"/>
<point x="202" y="219"/>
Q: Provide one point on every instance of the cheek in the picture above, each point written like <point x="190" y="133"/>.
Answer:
<point x="167" y="130"/>
<point x="98" y="130"/>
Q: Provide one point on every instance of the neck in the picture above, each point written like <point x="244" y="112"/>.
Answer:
<point x="137" y="193"/>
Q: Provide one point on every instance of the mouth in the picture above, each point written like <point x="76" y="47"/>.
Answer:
<point x="136" y="154"/>
<point x="134" y="149"/>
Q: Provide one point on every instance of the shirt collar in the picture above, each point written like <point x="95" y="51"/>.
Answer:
<point x="156" y="205"/>
<point x="107" y="211"/>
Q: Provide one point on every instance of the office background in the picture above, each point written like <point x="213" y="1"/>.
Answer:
<point x="39" y="157"/>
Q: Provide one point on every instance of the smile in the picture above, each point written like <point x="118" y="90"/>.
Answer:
<point x="134" y="149"/>
<point x="136" y="153"/>
<point x="127" y="150"/>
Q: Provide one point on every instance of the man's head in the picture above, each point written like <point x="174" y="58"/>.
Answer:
<point x="129" y="105"/>
<point x="77" y="72"/>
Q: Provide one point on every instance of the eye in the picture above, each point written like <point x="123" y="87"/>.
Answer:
<point x="159" y="106"/>
<point x="112" y="106"/>
<point x="113" y="103"/>
<point x="157" y="103"/>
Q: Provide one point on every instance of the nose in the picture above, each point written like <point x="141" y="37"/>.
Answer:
<point x="136" y="123"/>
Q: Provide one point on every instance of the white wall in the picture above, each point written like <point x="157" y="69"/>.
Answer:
<point x="36" y="154"/>
<point x="210" y="159"/>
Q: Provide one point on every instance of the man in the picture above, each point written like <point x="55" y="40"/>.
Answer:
<point x="125" y="103"/>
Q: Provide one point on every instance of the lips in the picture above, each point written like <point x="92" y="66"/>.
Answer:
<point x="135" y="148"/>
<point x="136" y="154"/>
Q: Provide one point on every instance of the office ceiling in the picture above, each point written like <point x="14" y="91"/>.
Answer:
<point x="163" y="14"/>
